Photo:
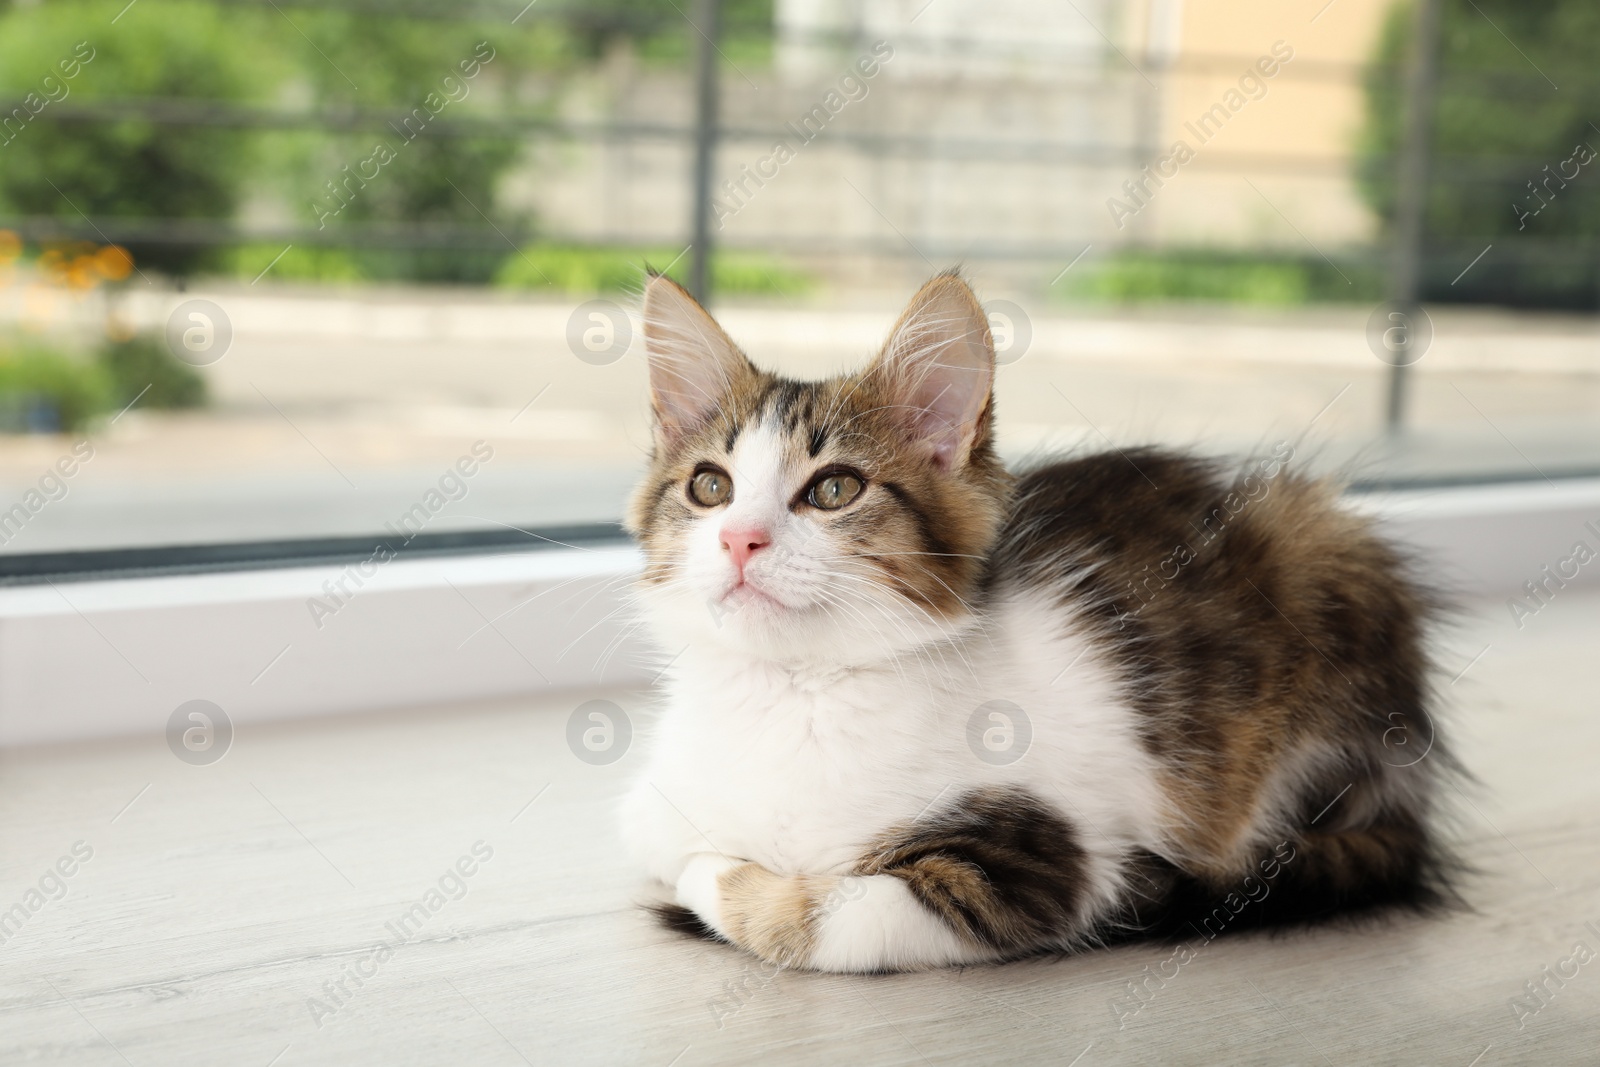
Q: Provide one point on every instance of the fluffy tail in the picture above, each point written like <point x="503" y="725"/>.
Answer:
<point x="1393" y="863"/>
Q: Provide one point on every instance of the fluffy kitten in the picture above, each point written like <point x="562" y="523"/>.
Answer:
<point x="926" y="712"/>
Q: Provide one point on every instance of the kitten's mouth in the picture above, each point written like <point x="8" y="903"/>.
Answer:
<point x="743" y="593"/>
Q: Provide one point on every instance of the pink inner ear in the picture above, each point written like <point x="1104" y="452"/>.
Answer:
<point x="940" y="361"/>
<point x="949" y="398"/>
<point x="693" y="363"/>
<point x="684" y="399"/>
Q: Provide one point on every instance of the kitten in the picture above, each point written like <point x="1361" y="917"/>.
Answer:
<point x="927" y="712"/>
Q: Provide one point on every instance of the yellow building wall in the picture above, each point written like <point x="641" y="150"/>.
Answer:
<point x="1283" y="163"/>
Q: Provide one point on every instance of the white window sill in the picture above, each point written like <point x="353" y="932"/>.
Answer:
<point x="97" y="658"/>
<point x="86" y="659"/>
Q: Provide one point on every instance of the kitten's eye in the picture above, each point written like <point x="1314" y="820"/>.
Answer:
<point x="710" y="488"/>
<point x="835" y="491"/>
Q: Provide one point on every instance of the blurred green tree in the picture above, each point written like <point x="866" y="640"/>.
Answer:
<point x="429" y="74"/>
<point x="458" y="89"/>
<point x="129" y="168"/>
<point x="1508" y="149"/>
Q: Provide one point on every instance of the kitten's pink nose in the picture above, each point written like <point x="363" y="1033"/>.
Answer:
<point x="742" y="542"/>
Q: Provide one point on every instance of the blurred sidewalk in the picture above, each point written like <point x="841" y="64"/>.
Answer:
<point x="332" y="411"/>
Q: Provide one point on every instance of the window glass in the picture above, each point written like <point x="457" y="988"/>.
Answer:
<point x="306" y="270"/>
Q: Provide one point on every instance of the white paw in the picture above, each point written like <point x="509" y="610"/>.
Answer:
<point x="875" y="924"/>
<point x="698" y="890"/>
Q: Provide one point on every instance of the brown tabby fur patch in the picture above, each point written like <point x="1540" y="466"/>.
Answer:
<point x="1271" y="642"/>
<point x="1000" y="867"/>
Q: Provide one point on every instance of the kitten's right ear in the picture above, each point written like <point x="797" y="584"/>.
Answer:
<point x="693" y="364"/>
<point x="938" y="367"/>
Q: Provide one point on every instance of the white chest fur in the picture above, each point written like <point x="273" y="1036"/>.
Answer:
<point x="801" y="769"/>
<point x="794" y="771"/>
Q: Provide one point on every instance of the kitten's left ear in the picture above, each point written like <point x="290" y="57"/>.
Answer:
<point x="938" y="366"/>
<point x="694" y="365"/>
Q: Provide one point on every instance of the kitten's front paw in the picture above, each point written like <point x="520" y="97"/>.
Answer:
<point x="699" y="889"/>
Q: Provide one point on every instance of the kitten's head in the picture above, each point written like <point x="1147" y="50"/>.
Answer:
<point x="826" y="522"/>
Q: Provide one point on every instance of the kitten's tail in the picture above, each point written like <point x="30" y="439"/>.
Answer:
<point x="1316" y="876"/>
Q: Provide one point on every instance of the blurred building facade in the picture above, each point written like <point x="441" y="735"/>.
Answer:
<point x="1015" y="133"/>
